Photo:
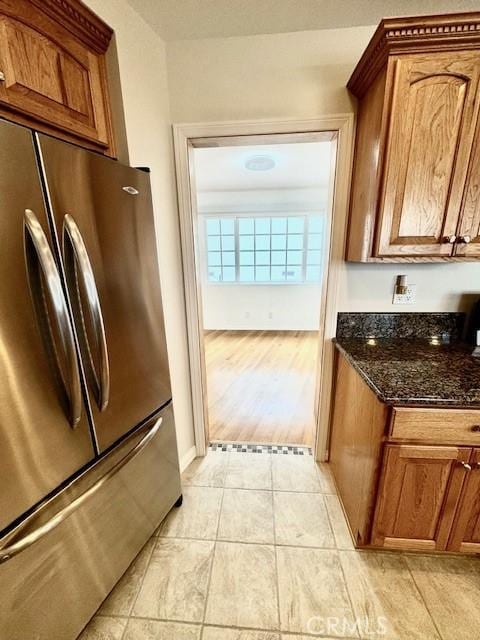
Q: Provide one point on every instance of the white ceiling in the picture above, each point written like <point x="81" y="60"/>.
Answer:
<point x="191" y="19"/>
<point x="297" y="166"/>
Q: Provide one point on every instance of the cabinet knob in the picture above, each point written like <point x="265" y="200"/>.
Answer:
<point x="449" y="239"/>
<point x="2" y="76"/>
<point x="466" y="466"/>
<point x="464" y="239"/>
<point x="475" y="428"/>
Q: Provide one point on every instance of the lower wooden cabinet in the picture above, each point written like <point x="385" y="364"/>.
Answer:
<point x="418" y="496"/>
<point x="408" y="478"/>
<point x="465" y="535"/>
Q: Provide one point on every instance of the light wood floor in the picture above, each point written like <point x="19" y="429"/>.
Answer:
<point x="261" y="386"/>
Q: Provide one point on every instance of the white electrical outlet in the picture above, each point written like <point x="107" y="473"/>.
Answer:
<point x="406" y="298"/>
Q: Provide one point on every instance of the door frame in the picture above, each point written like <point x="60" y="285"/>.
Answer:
<point x="185" y="136"/>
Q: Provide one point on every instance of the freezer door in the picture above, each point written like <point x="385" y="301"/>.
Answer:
<point x="103" y="215"/>
<point x="44" y="432"/>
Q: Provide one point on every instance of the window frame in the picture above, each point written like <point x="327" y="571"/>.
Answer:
<point x="260" y="214"/>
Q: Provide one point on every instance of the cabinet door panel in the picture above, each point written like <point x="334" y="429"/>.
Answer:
<point x="466" y="528"/>
<point x="470" y="215"/>
<point x="433" y="111"/>
<point x="48" y="82"/>
<point x="419" y="491"/>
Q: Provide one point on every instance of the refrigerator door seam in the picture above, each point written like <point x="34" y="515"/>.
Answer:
<point x="49" y="210"/>
<point x="74" y="250"/>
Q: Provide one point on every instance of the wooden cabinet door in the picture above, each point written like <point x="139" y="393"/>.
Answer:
<point x="469" y="227"/>
<point x="434" y="106"/>
<point x="418" y="495"/>
<point x="53" y="79"/>
<point x="465" y="534"/>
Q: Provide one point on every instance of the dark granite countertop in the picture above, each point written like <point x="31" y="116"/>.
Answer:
<point x="415" y="371"/>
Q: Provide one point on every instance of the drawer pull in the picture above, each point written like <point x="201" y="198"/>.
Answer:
<point x="476" y="428"/>
<point x="465" y="465"/>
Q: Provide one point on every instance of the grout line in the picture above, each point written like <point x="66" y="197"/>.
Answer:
<point x="422" y="597"/>
<point x="297" y="634"/>
<point x="275" y="552"/>
<point x="142" y="578"/>
<point x="329" y="518"/>
<point x="210" y="486"/>
<point x="347" y="589"/>
<point x="207" y="592"/>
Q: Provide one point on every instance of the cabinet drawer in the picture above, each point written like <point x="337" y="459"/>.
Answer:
<point x="457" y="426"/>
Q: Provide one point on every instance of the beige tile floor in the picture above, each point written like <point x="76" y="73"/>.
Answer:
<point x="260" y="551"/>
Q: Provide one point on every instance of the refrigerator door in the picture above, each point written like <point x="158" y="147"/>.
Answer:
<point x="44" y="431"/>
<point x="103" y="217"/>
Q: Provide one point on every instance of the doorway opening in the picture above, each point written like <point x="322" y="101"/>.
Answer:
<point x="263" y="219"/>
<point x="339" y="130"/>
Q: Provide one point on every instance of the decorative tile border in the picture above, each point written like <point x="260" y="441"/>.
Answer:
<point x="240" y="447"/>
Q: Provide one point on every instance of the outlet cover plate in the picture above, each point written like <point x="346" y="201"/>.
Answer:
<point x="406" y="298"/>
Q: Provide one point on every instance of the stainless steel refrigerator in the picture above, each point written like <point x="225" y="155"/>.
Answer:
<point x="88" y="454"/>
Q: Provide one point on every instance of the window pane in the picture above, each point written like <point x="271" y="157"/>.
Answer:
<point x="294" y="274"/>
<point x="228" y="258"/>
<point x="213" y="243"/>
<point x="246" y="226"/>
<point x="228" y="243"/>
<point x="213" y="227"/>
<point x="294" y="257"/>
<point x="247" y="243"/>
<point x="214" y="258"/>
<point x="279" y="257"/>
<point x="262" y="225"/>
<point x="313" y="273"/>
<point x="278" y="274"/>
<point x="247" y="274"/>
<point x="262" y="243"/>
<point x="214" y="274"/>
<point x="228" y="226"/>
<point x="314" y="257"/>
<point x="295" y="225"/>
<point x="247" y="258"/>
<point x="262" y="274"/>
<point x="279" y="242"/>
<point x="295" y="242"/>
<point x="262" y="257"/>
<point x="315" y="224"/>
<point x="279" y="225"/>
<point x="228" y="274"/>
<point x="314" y="241"/>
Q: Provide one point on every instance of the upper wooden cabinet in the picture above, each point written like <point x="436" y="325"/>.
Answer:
<point x="416" y="184"/>
<point x="52" y="66"/>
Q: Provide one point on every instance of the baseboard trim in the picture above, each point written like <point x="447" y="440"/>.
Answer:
<point x="187" y="458"/>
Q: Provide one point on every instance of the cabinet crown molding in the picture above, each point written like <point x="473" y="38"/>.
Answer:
<point x="74" y="16"/>
<point x="414" y="35"/>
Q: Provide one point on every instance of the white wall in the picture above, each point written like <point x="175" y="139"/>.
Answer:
<point x="143" y="77"/>
<point x="301" y="75"/>
<point x="262" y="307"/>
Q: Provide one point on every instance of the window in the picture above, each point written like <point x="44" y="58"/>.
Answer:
<point x="265" y="249"/>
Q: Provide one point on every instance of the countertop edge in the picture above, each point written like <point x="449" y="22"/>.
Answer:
<point x="395" y="402"/>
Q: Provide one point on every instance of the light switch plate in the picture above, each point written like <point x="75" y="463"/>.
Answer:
<point x="406" y="298"/>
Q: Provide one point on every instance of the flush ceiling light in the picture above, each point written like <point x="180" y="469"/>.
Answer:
<point x="260" y="163"/>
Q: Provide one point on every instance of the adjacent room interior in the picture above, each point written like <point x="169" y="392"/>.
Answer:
<point x="263" y="225"/>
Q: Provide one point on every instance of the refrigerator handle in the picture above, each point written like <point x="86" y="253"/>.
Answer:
<point x="16" y="546"/>
<point x="75" y="251"/>
<point x="39" y="257"/>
